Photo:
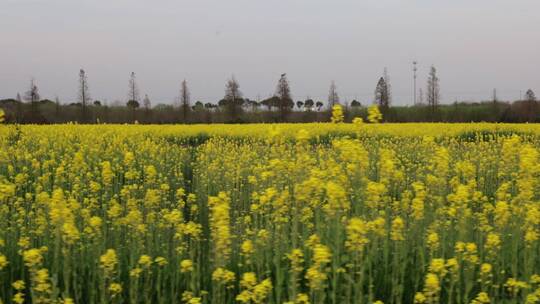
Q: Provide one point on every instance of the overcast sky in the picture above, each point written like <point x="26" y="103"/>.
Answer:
<point x="476" y="45"/>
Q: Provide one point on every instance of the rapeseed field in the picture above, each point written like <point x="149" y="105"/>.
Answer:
<point x="291" y="213"/>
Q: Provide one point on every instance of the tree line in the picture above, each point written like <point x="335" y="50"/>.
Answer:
<point x="234" y="107"/>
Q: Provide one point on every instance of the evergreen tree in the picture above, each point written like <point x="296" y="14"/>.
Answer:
<point x="381" y="95"/>
<point x="283" y="93"/>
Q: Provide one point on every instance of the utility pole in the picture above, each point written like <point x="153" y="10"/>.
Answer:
<point x="414" y="76"/>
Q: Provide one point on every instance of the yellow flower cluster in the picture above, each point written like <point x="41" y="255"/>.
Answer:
<point x="253" y="292"/>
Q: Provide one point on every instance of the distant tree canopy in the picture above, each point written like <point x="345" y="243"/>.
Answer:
<point x="133" y="104"/>
<point x="235" y="108"/>
<point x="240" y="110"/>
<point x="355" y="103"/>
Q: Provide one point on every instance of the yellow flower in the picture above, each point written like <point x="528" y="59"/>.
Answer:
<point x="135" y="272"/>
<point x="71" y="233"/>
<point x="358" y="122"/>
<point x="24" y="242"/>
<point x="419" y="298"/>
<point x="302" y="298"/>
<point x="315" y="278"/>
<point x="531" y="236"/>
<point x="3" y="261"/>
<point x="32" y="257"/>
<point x="432" y="286"/>
<point x="108" y="261"/>
<point x="481" y="298"/>
<point x="433" y="241"/>
<point x="195" y="300"/>
<point x="253" y="291"/>
<point x="337" y="114"/>
<point x="115" y="288"/>
<point x="397" y="229"/>
<point x="321" y="254"/>
<point x="18" y="298"/>
<point x="485" y="268"/>
<point x="41" y="281"/>
<point x="186" y="266"/>
<point x="302" y="137"/>
<point x="337" y="199"/>
<point x="223" y="276"/>
<point x="219" y="223"/>
<point x="356" y="235"/>
<point x="249" y="279"/>
<point x="374" y="115"/>
<point x="2" y="115"/>
<point x="452" y="265"/>
<point x="68" y="301"/>
<point x="313" y="240"/>
<point x="161" y="261"/>
<point x="493" y="243"/>
<point x="438" y="266"/>
<point x="417" y="204"/>
<point x="18" y="285"/>
<point x="297" y="258"/>
<point x="145" y="260"/>
<point x="247" y="248"/>
<point x="514" y="285"/>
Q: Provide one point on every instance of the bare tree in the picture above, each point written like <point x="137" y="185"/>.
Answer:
<point x="147" y="106"/>
<point x="333" y="97"/>
<point x="420" y="96"/>
<point x="184" y="100"/>
<point x="381" y="95"/>
<point x="19" y="108"/>
<point x="84" y="95"/>
<point x="57" y="108"/>
<point x="283" y="93"/>
<point x="32" y="96"/>
<point x="133" y="94"/>
<point x="146" y="102"/>
<point x="531" y="105"/>
<point x="232" y="89"/>
<point x="530" y="96"/>
<point x="388" y="86"/>
<point x="433" y="95"/>
<point x="233" y="99"/>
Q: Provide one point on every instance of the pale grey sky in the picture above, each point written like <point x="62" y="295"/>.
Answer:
<point x="476" y="45"/>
